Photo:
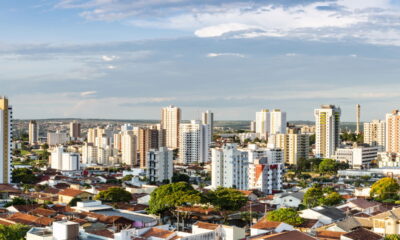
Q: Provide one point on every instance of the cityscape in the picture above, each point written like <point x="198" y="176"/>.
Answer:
<point x="199" y="120"/>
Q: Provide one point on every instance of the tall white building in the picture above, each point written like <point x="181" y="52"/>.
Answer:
<point x="327" y="125"/>
<point x="229" y="167"/>
<point x="278" y="122"/>
<point x="375" y="134"/>
<point x="357" y="157"/>
<point x="159" y="165"/>
<point x="265" y="169"/>
<point x="89" y="154"/>
<point x="128" y="143"/>
<point x="56" y="138"/>
<point x="5" y="140"/>
<point x="33" y="132"/>
<point x="64" y="161"/>
<point x="393" y="132"/>
<point x="193" y="142"/>
<point x="263" y="123"/>
<point x="170" y="120"/>
<point x="208" y="119"/>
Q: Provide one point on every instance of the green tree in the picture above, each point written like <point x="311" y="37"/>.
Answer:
<point x="226" y="200"/>
<point x="313" y="196"/>
<point x="114" y="194"/>
<point x="332" y="199"/>
<point x="167" y="197"/>
<point x="45" y="146"/>
<point x="327" y="166"/>
<point x="127" y="178"/>
<point x="385" y="188"/>
<point x="13" y="232"/>
<point x="23" y="175"/>
<point x="19" y="201"/>
<point x="180" y="177"/>
<point x="392" y="237"/>
<point x="74" y="201"/>
<point x="286" y="215"/>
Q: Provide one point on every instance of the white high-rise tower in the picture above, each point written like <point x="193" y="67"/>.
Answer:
<point x="170" y="120"/>
<point x="327" y="127"/>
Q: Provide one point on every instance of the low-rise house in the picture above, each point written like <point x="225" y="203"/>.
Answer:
<point x="265" y="226"/>
<point x="349" y="224"/>
<point x="361" y="205"/>
<point x="387" y="222"/>
<point x="66" y="195"/>
<point x="309" y="225"/>
<point x="225" y="231"/>
<point x="325" y="215"/>
<point x="361" y="234"/>
<point x="288" y="200"/>
<point x="291" y="235"/>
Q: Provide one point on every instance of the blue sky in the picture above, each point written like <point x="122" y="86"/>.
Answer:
<point x="126" y="59"/>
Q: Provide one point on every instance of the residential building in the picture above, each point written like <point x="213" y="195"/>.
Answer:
<point x="64" y="161"/>
<point x="75" y="130"/>
<point x="89" y="154"/>
<point x="375" y="134"/>
<point x="193" y="142"/>
<point x="393" y="132"/>
<point x="295" y="145"/>
<point x="358" y="157"/>
<point x="388" y="159"/>
<point x="147" y="139"/>
<point x="229" y="166"/>
<point x="208" y="119"/>
<point x="33" y="132"/>
<point x="325" y="215"/>
<point x="288" y="200"/>
<point x="277" y="121"/>
<point x="253" y="126"/>
<point x="66" y="195"/>
<point x="56" y="138"/>
<point x="327" y="125"/>
<point x="159" y="165"/>
<point x="223" y="232"/>
<point x="387" y="222"/>
<point x="263" y="123"/>
<point x="128" y="141"/>
<point x="5" y="140"/>
<point x="170" y="120"/>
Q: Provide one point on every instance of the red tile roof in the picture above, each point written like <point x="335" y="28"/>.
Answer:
<point x="71" y="192"/>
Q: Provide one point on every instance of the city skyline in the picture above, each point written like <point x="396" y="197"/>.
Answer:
<point x="76" y="58"/>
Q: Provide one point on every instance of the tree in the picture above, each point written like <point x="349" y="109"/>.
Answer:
<point x="23" y="175"/>
<point x="286" y="215"/>
<point x="13" y="232"/>
<point x="167" y="197"/>
<point x="45" y="146"/>
<point x="73" y="201"/>
<point x="385" y="188"/>
<point x="392" y="237"/>
<point x="19" y="201"/>
<point x="114" y="194"/>
<point x="332" y="199"/>
<point x="226" y="200"/>
<point x="180" y="177"/>
<point x="313" y="196"/>
<point x="327" y="166"/>
<point x="127" y="178"/>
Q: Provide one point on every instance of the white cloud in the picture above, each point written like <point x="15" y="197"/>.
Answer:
<point x="212" y="55"/>
<point x="109" y="58"/>
<point x="111" y="67"/>
<point x="88" y="93"/>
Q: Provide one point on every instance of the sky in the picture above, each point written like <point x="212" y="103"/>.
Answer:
<point x="125" y="59"/>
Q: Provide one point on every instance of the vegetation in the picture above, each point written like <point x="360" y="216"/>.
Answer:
<point x="352" y="137"/>
<point x="385" y="189"/>
<point x="317" y="196"/>
<point x="114" y="194"/>
<point x="19" y="201"/>
<point x="73" y="201"/>
<point x="327" y="166"/>
<point x="286" y="215"/>
<point x="127" y="178"/>
<point x="392" y="237"/>
<point x="180" y="177"/>
<point x="226" y="200"/>
<point x="24" y="175"/>
<point x="13" y="232"/>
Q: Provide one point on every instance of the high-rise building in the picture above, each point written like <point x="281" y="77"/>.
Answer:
<point x="263" y="123"/>
<point x="170" y="120"/>
<point x="358" y="116"/>
<point x="89" y="154"/>
<point x="375" y="134"/>
<point x="193" y="142"/>
<point x="55" y="138"/>
<point x="357" y="157"/>
<point x="91" y="135"/>
<point x="128" y="148"/>
<point x="253" y="126"/>
<point x="159" y="165"/>
<point x="147" y="139"/>
<point x="33" y="132"/>
<point x="229" y="166"/>
<point x="393" y="132"/>
<point x="64" y="161"/>
<point x="208" y="119"/>
<point x="327" y="125"/>
<point x="277" y="121"/>
<point x="295" y="146"/>
<point x="75" y="130"/>
<point x="5" y="140"/>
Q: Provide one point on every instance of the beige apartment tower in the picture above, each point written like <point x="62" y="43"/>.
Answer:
<point x="393" y="131"/>
<point x="147" y="139"/>
<point x="33" y="132"/>
<point x="375" y="134"/>
<point x="5" y="140"/>
<point x="327" y="130"/>
<point x="170" y="120"/>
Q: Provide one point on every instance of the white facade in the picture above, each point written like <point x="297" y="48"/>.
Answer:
<point x="33" y="132"/>
<point x="265" y="169"/>
<point x="357" y="157"/>
<point x="393" y="132"/>
<point x="327" y="125"/>
<point x="277" y="121"/>
<point x="64" y="161"/>
<point x="386" y="159"/>
<point x="263" y="123"/>
<point x="89" y="154"/>
<point x="159" y="165"/>
<point x="375" y="134"/>
<point x="170" y="120"/>
<point x="56" y="138"/>
<point x="193" y="142"/>
<point x="294" y="146"/>
<point x="128" y="141"/>
<point x="208" y="119"/>
<point x="229" y="167"/>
